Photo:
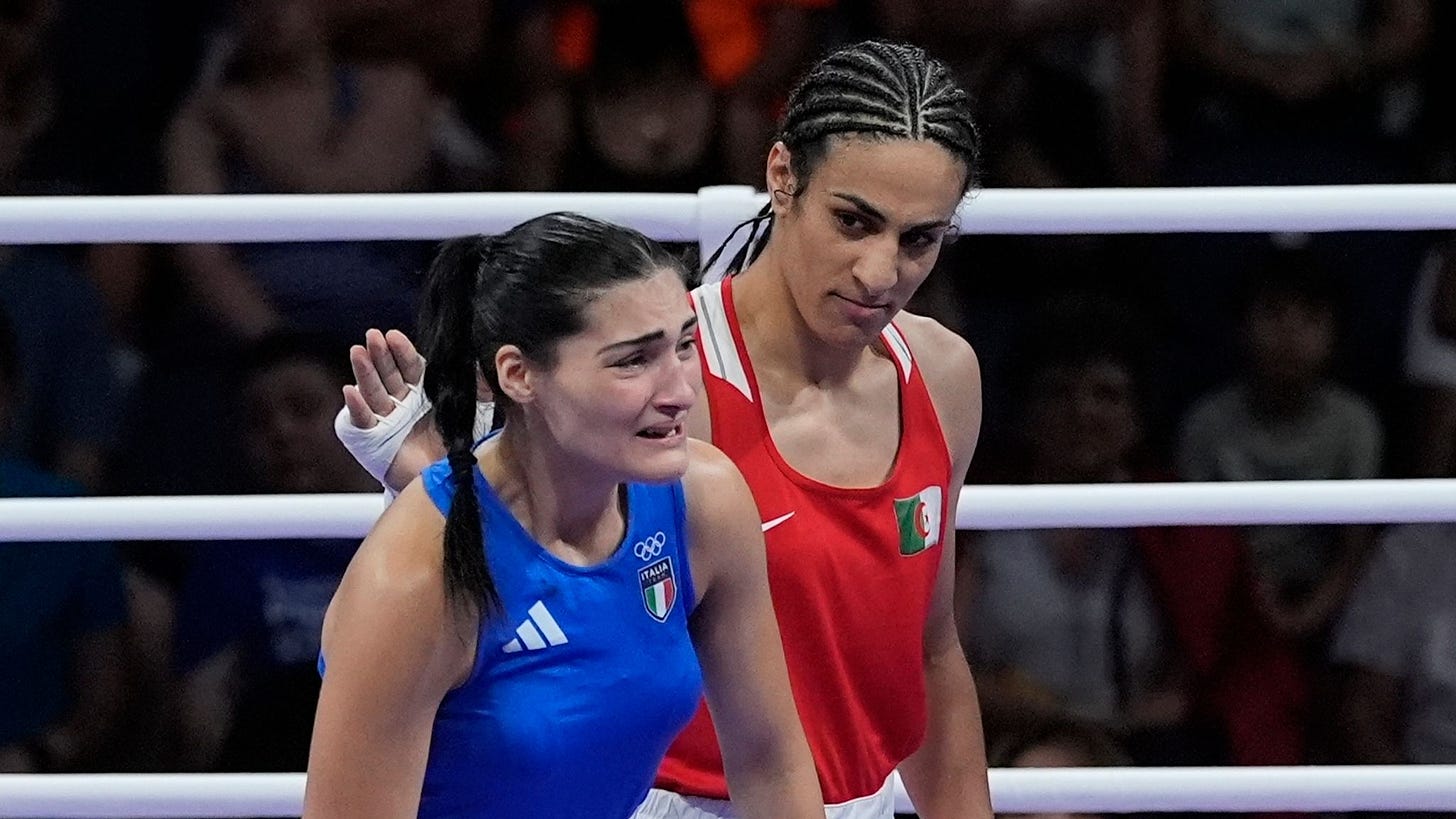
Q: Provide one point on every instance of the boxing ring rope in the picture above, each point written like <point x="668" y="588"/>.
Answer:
<point x="708" y="215"/>
<point x="705" y="218"/>
<point x="1013" y="790"/>
<point x="262" y="517"/>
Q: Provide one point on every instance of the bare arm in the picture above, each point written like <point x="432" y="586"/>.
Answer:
<point x="98" y="682"/>
<point x="382" y="146"/>
<point x="394" y="646"/>
<point x="770" y="771"/>
<point x="1443" y="303"/>
<point x="1137" y="118"/>
<point x="205" y="718"/>
<point x="947" y="776"/>
<point x="215" y="279"/>
<point x="1325" y="602"/>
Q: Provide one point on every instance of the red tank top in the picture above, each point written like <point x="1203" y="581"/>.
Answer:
<point x="851" y="572"/>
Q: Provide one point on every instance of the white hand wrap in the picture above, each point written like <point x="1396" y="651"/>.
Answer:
<point x="374" y="448"/>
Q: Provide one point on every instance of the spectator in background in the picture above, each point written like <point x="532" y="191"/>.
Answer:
<point x="1095" y="645"/>
<point x="1057" y="742"/>
<point x="1430" y="364"/>
<point x="26" y="88"/>
<point x="1293" y="92"/>
<point x="1297" y="91"/>
<point x="443" y="37"/>
<point x="1397" y="645"/>
<point x="1070" y="89"/>
<point x="68" y="403"/>
<point x="62" y="647"/>
<point x="1149" y="633"/>
<point x="273" y="110"/>
<point x="644" y="116"/>
<point x="666" y="95"/>
<point x="250" y="613"/>
<point x="65" y="401"/>
<point x="1285" y="418"/>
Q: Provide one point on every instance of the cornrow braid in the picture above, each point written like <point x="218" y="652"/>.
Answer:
<point x="878" y="89"/>
<point x="881" y="88"/>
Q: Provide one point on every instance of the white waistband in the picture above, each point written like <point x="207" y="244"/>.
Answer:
<point x="662" y="804"/>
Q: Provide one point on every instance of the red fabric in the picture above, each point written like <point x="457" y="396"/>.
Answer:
<point x="851" y="608"/>
<point x="1250" y="679"/>
<point x="730" y="34"/>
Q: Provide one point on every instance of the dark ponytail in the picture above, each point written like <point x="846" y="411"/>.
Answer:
<point x="528" y="287"/>
<point x="873" y="89"/>
<point x="449" y="335"/>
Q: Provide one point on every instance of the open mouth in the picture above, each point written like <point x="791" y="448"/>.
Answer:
<point x="661" y="433"/>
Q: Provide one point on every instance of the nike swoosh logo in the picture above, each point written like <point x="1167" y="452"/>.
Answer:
<point x="769" y="524"/>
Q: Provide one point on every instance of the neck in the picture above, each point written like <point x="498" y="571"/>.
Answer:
<point x="776" y="332"/>
<point x="555" y="496"/>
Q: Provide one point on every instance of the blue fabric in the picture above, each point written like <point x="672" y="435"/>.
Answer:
<point x="67" y="389"/>
<point x="575" y="728"/>
<point x="266" y="597"/>
<point x="337" y="288"/>
<point x="51" y="595"/>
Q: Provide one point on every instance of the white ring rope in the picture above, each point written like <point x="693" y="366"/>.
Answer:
<point x="1014" y="790"/>
<point x="265" y="517"/>
<point x="707" y="216"/>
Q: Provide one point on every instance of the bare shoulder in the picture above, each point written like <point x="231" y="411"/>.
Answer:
<point x="712" y="483"/>
<point x="404" y="551"/>
<point x="723" y="527"/>
<point x="395" y="584"/>
<point x="941" y="353"/>
<point x="952" y="372"/>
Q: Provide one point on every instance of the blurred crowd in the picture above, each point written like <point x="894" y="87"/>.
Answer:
<point x="150" y="369"/>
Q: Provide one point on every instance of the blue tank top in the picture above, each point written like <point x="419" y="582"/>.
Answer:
<point x="581" y="682"/>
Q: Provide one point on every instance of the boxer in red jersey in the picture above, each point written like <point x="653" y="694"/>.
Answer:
<point x="854" y="424"/>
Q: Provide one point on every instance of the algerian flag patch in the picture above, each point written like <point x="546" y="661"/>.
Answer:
<point x="919" y="518"/>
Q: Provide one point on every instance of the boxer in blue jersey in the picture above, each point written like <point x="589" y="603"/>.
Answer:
<point x="531" y="622"/>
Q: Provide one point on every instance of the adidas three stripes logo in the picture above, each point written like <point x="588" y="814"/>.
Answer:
<point x="537" y="632"/>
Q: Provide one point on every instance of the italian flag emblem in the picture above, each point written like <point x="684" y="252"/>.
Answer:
<point x="659" y="588"/>
<point x="919" y="517"/>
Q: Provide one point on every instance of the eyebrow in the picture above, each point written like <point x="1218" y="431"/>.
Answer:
<point x="646" y="338"/>
<point x="874" y="212"/>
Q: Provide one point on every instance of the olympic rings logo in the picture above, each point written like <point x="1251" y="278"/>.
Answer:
<point x="651" y="547"/>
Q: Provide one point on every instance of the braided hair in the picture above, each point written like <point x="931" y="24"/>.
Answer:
<point x="528" y="287"/>
<point x="874" y="89"/>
